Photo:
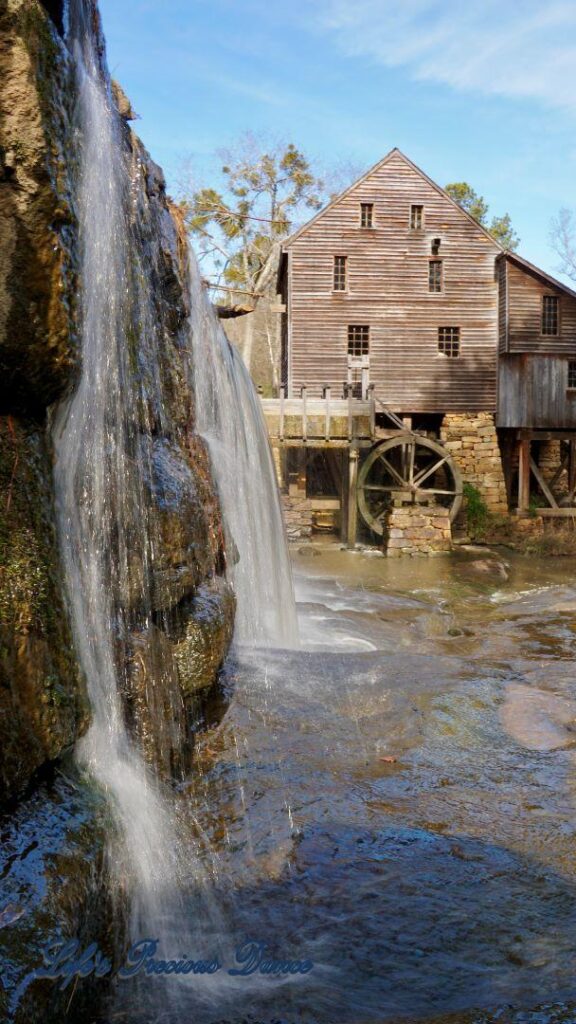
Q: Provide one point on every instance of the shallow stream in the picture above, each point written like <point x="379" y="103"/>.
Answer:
<point x="396" y="802"/>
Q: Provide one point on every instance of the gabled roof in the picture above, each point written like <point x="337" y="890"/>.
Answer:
<point x="541" y="275"/>
<point x="393" y="152"/>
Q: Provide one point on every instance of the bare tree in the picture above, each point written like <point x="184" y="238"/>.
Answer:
<point x="563" y="241"/>
<point x="261" y="192"/>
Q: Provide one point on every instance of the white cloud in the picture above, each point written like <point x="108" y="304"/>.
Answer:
<point x="513" y="48"/>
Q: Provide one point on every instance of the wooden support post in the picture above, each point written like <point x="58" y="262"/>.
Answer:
<point x="304" y="415"/>
<point x="282" y="401"/>
<point x="372" y="411"/>
<point x="523" y="476"/>
<point x="350" y="413"/>
<point x="352" y="499"/>
<point x="572" y="469"/>
<point x="328" y="425"/>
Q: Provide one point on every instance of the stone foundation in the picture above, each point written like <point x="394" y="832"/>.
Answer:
<point x="297" y="516"/>
<point x="549" y="456"/>
<point x="472" y="442"/>
<point x="416" y="530"/>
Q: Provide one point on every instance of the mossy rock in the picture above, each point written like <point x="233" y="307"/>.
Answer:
<point x="203" y="632"/>
<point x="43" y="704"/>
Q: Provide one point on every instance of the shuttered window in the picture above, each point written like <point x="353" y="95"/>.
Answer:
<point x="449" y="341"/>
<point x="416" y="216"/>
<point x="435" y="276"/>
<point x="550" y="315"/>
<point x="339" y="274"/>
<point x="358" y="340"/>
<point x="366" y="215"/>
<point x="572" y="375"/>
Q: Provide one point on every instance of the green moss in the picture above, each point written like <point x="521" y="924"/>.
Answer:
<point x="477" y="514"/>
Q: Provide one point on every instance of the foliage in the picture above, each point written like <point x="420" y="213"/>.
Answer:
<point x="499" y="227"/>
<point x="477" y="514"/>
<point x="563" y="241"/>
<point x="262" y="193"/>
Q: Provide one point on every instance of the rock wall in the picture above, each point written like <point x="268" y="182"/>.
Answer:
<point x="297" y="516"/>
<point x="417" y="530"/>
<point x="472" y="442"/>
<point x="43" y="706"/>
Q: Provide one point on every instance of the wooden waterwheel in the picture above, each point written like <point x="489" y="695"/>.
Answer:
<point x="407" y="469"/>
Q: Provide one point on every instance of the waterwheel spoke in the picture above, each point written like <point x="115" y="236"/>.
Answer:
<point x="403" y="483"/>
<point x="425" y="473"/>
<point x="412" y="459"/>
<point x="436" y="490"/>
<point x="377" y="512"/>
<point x="380" y="487"/>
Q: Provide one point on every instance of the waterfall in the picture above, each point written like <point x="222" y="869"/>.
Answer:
<point x="106" y="437"/>
<point x="229" y="417"/>
<point x="102" y="460"/>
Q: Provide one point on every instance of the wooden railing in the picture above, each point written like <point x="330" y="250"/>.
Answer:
<point x="327" y="418"/>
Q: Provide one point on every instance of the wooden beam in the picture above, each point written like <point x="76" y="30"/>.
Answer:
<point x="523" y="475"/>
<point x="546" y="435"/>
<point x="552" y="513"/>
<point x="282" y="403"/>
<point x="572" y="467"/>
<point x="543" y="485"/>
<point x="327" y="400"/>
<point x="352" y="500"/>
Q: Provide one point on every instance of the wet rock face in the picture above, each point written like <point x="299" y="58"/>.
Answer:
<point x="38" y="251"/>
<point x="51" y="867"/>
<point x="202" y="630"/>
<point x="43" y="705"/>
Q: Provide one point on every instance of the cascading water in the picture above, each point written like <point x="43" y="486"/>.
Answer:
<point x="99" y="469"/>
<point x="105" y="438"/>
<point x="229" y="417"/>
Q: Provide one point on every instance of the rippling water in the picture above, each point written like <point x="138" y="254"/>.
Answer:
<point x="396" y="801"/>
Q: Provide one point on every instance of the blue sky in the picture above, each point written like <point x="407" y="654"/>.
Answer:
<point x="482" y="91"/>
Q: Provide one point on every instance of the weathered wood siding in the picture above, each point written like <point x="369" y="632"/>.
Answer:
<point x="525" y="292"/>
<point x="387" y="271"/>
<point x="502" y="275"/>
<point x="532" y="392"/>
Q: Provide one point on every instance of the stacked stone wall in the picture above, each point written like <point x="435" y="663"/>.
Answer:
<point x="297" y="516"/>
<point x="472" y="441"/>
<point x="415" y="530"/>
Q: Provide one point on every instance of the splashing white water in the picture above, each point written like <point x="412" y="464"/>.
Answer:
<point x="229" y="417"/>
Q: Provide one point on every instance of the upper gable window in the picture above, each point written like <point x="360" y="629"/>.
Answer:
<point x="366" y="215"/>
<point x="435" y="276"/>
<point x="339" y="283"/>
<point x="550" y="316"/>
<point x="416" y="216"/>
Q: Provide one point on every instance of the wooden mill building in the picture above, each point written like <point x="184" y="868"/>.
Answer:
<point x="396" y="299"/>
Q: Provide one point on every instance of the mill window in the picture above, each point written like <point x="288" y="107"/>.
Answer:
<point x="358" y="340"/>
<point x="416" y="217"/>
<point x="550" y="315"/>
<point x="449" y="341"/>
<point x="435" y="276"/>
<point x="339" y="273"/>
<point x="366" y="215"/>
<point x="572" y="375"/>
